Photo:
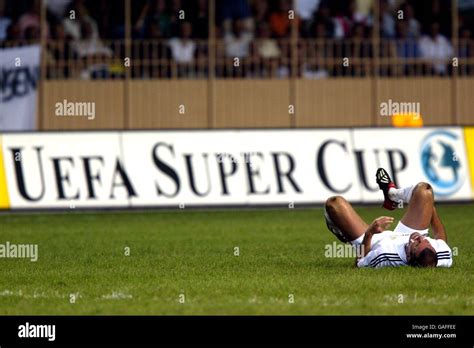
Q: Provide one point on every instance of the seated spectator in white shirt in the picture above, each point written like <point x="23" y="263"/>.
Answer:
<point x="183" y="49"/>
<point x="436" y="50"/>
<point x="92" y="52"/>
<point x="266" y="46"/>
<point x="237" y="43"/>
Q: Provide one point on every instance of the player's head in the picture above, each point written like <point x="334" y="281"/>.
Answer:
<point x="420" y="252"/>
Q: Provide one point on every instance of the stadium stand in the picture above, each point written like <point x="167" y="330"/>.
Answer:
<point x="246" y="39"/>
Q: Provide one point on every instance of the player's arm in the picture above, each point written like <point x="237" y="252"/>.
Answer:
<point x="379" y="225"/>
<point x="437" y="227"/>
<point x="366" y="246"/>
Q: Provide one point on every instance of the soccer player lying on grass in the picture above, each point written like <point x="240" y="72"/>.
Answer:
<point x="408" y="244"/>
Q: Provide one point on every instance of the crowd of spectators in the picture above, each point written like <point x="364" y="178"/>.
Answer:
<point x="253" y="37"/>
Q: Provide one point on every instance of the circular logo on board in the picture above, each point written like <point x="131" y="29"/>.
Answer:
<point x="441" y="162"/>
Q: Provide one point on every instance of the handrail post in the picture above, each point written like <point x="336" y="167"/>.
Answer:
<point x="211" y="77"/>
<point x="126" y="84"/>
<point x="455" y="69"/>
<point x="375" y="64"/>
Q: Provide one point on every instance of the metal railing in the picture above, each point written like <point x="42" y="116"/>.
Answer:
<point x="266" y="58"/>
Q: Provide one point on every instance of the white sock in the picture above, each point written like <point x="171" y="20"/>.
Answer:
<point x="401" y="194"/>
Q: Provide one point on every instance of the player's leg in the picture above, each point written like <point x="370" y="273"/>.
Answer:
<point x="342" y="219"/>
<point x="419" y="198"/>
<point x="437" y="227"/>
<point x="420" y="207"/>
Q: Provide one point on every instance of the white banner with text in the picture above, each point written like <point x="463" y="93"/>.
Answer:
<point x="228" y="167"/>
<point x="19" y="78"/>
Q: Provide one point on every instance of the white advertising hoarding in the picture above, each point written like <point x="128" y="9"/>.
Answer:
<point x="433" y="155"/>
<point x="237" y="167"/>
<point x="228" y="167"/>
<point x="63" y="170"/>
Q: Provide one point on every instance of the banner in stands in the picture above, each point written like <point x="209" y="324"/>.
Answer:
<point x="228" y="167"/>
<point x="19" y="76"/>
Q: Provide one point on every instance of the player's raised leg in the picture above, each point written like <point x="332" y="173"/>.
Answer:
<point x="419" y="199"/>
<point x="420" y="207"/>
<point x="342" y="220"/>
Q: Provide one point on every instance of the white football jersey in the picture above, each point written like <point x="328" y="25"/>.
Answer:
<point x="389" y="251"/>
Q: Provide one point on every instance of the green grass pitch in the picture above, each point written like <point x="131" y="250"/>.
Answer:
<point x="192" y="253"/>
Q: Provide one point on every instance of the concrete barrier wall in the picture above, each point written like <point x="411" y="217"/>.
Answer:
<point x="247" y="103"/>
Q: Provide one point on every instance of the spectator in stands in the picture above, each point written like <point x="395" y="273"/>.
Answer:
<point x="5" y="21"/>
<point x="387" y="22"/>
<point x="440" y="12"/>
<point x="406" y="48"/>
<point x="58" y="8"/>
<point x="200" y="20"/>
<point x="153" y="32"/>
<point x="31" y="19"/>
<point x="320" y="30"/>
<point x="413" y="26"/>
<point x="280" y="22"/>
<point x="159" y="21"/>
<point x="407" y="45"/>
<point x="32" y="34"/>
<point x="58" y="33"/>
<point x="260" y="12"/>
<point x="183" y="48"/>
<point x="237" y="42"/>
<point x="311" y="61"/>
<point x="177" y="14"/>
<point x="266" y="51"/>
<point x="13" y="32"/>
<point x="342" y="20"/>
<point x="465" y="43"/>
<point x="305" y="9"/>
<point x="76" y="16"/>
<point x="322" y="47"/>
<point x="237" y="49"/>
<point x="58" y="50"/>
<point x="154" y="11"/>
<point x="323" y="15"/>
<point x="358" y="50"/>
<point x="233" y="10"/>
<point x="436" y="50"/>
<point x="363" y="10"/>
<point x="112" y="18"/>
<point x="92" y="52"/>
<point x="266" y="46"/>
<point x="155" y="54"/>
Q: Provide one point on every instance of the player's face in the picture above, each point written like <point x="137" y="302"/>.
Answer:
<point x="417" y="244"/>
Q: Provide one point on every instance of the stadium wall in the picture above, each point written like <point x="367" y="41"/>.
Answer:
<point x="177" y="169"/>
<point x="246" y="103"/>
